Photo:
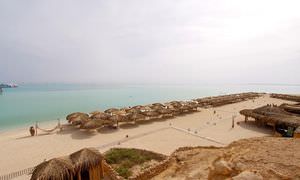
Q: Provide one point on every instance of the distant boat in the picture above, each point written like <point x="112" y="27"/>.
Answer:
<point x="8" y="86"/>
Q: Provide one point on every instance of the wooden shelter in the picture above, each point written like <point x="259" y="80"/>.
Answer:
<point x="293" y="108"/>
<point x="274" y="116"/>
<point x="87" y="164"/>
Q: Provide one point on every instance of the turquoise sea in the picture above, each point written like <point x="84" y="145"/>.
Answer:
<point x="29" y="103"/>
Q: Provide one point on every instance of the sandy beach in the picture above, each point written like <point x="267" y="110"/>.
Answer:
<point x="20" y="151"/>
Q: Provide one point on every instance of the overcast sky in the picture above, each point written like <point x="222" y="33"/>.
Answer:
<point x="153" y="41"/>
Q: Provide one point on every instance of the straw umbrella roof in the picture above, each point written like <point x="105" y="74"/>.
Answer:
<point x="157" y="107"/>
<point x="76" y="115"/>
<point x="137" y="107"/>
<point x="273" y="114"/>
<point x="193" y="104"/>
<point x="157" y="104"/>
<point x="165" y="111"/>
<point x="117" y="117"/>
<point x="291" y="108"/>
<point x="57" y="168"/>
<point x="133" y="110"/>
<point x="86" y="158"/>
<point x="137" y="116"/>
<point x="100" y="115"/>
<point x="92" y="124"/>
<point x="150" y="113"/>
<point x="79" y="119"/>
<point x="111" y="110"/>
<point x="94" y="112"/>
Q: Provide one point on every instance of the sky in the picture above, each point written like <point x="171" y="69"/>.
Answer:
<point x="157" y="41"/>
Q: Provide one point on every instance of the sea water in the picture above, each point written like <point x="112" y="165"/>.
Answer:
<point x="30" y="103"/>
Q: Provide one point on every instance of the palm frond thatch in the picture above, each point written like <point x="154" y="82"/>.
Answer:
<point x="57" y="168"/>
<point x="86" y="158"/>
<point x="92" y="124"/>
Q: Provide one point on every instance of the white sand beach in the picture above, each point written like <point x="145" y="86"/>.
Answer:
<point x="20" y="151"/>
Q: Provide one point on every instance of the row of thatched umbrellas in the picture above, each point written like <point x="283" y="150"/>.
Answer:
<point x="113" y="116"/>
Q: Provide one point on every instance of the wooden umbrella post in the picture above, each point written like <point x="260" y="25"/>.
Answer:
<point x="59" y="125"/>
<point x="36" y="126"/>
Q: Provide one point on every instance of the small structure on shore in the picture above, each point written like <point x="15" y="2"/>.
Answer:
<point x="274" y="116"/>
<point x="87" y="164"/>
<point x="84" y="164"/>
<point x="57" y="168"/>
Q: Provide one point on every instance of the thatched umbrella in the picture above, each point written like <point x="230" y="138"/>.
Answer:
<point x="57" y="168"/>
<point x="133" y="110"/>
<point x="87" y="159"/>
<point x="151" y="114"/>
<point x="137" y="117"/>
<point x="116" y="118"/>
<point x="193" y="104"/>
<point x="76" y="116"/>
<point x="165" y="112"/>
<point x="158" y="104"/>
<point x="100" y="115"/>
<point x="80" y="119"/>
<point x="94" y="112"/>
<point x="184" y="108"/>
<point x="92" y="124"/>
<point x="111" y="110"/>
<point x="137" y="107"/>
<point x="157" y="107"/>
<point x="146" y="108"/>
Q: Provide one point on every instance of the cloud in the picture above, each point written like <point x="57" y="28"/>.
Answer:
<point x="232" y="41"/>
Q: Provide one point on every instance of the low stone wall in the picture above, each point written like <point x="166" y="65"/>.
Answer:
<point x="152" y="171"/>
<point x="110" y="172"/>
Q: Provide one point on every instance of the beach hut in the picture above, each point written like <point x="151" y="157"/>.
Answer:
<point x="88" y="164"/>
<point x="57" y="168"/>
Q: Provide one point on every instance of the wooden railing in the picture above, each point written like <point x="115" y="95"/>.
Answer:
<point x="17" y="174"/>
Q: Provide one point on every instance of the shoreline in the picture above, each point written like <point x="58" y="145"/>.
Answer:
<point x="20" y="125"/>
<point x="26" y="126"/>
<point x="62" y="119"/>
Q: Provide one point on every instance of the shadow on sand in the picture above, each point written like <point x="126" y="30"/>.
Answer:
<point x="250" y="125"/>
<point x="107" y="130"/>
<point x="129" y="125"/>
<point x="29" y="136"/>
<point x="77" y="133"/>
